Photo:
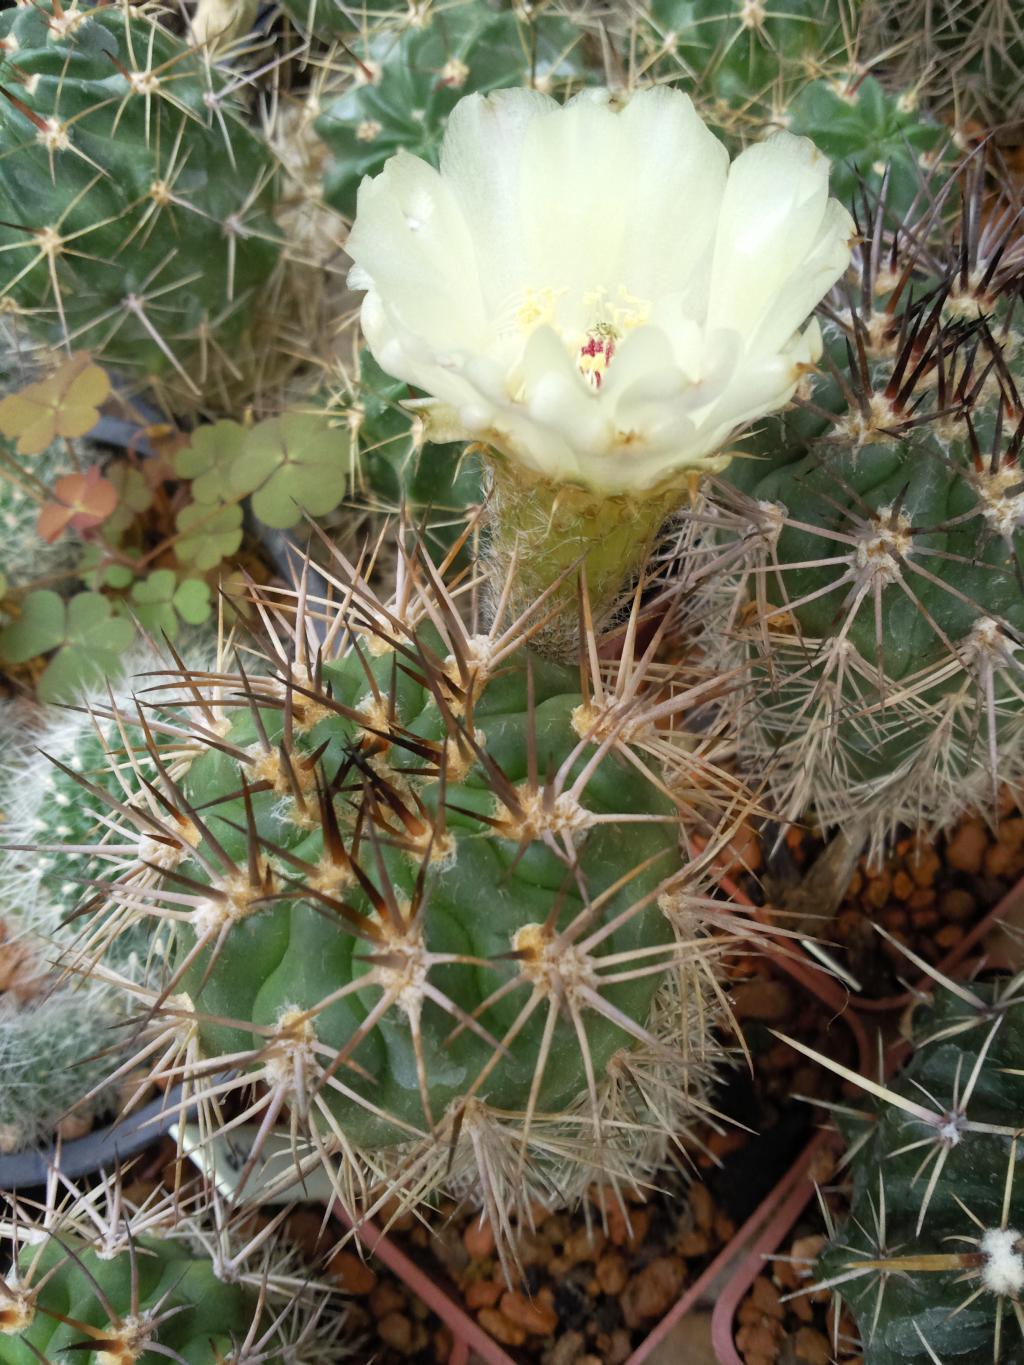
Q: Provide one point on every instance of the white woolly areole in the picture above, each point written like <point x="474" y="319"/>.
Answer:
<point x="1003" y="1271"/>
<point x="593" y="289"/>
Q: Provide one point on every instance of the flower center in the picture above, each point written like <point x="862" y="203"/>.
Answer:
<point x="595" y="355"/>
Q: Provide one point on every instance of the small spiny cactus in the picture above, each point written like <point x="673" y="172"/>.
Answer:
<point x="175" y="1277"/>
<point x="880" y="525"/>
<point x="930" y="1259"/>
<point x="135" y="200"/>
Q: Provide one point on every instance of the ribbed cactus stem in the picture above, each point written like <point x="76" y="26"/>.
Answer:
<point x="552" y="537"/>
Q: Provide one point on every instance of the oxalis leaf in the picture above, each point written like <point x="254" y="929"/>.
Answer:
<point x="212" y="533"/>
<point x="293" y="465"/>
<point x="81" y="501"/>
<point x="65" y="404"/>
<point x="88" y="638"/>
<point x="208" y="458"/>
<point x="159" y="600"/>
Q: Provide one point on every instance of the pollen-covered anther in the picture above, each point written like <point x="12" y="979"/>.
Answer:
<point x="539" y="814"/>
<point x="553" y="966"/>
<point x="1002" y="1269"/>
<point x="595" y="355"/>
<point x="882" y="547"/>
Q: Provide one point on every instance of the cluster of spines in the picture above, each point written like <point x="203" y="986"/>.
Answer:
<point x="176" y="1275"/>
<point x="825" y="582"/>
<point x="930" y="1258"/>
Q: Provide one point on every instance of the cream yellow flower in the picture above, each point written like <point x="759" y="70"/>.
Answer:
<point x="594" y="291"/>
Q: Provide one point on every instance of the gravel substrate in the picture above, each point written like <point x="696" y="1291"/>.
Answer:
<point x="927" y="894"/>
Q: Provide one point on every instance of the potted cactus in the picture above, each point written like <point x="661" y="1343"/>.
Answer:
<point x="641" y="388"/>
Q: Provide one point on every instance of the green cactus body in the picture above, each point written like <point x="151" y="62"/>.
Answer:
<point x="967" y="58"/>
<point x="60" y="1043"/>
<point x="135" y="202"/>
<point x="198" y="1316"/>
<point x="101" y="1279"/>
<point x="868" y="134"/>
<point x="424" y="899"/>
<point x="338" y="19"/>
<point x="931" y="1258"/>
<point x="405" y="87"/>
<point x="396" y="467"/>
<point x="889" y="527"/>
<point x="743" y="52"/>
<point x="479" y="902"/>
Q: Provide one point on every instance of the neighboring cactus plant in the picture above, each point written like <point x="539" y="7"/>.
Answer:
<point x="968" y="58"/>
<point x="403" y="88"/>
<point x="428" y="894"/>
<point x="66" y="1033"/>
<point x="930" y="1259"/>
<point x="882" y="527"/>
<point x="95" y="1275"/>
<point x="869" y="135"/>
<point x="743" y="55"/>
<point x="135" y="202"/>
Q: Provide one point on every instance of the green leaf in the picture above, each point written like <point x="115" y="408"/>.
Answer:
<point x="208" y="458"/>
<point x="115" y="576"/>
<point x="40" y="628"/>
<point x="159" y="600"/>
<point x="192" y="601"/>
<point x="133" y="491"/>
<point x="88" y="637"/>
<point x="213" y="533"/>
<point x="293" y="464"/>
<point x="153" y="603"/>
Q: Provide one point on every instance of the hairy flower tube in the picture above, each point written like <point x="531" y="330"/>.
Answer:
<point x="597" y="296"/>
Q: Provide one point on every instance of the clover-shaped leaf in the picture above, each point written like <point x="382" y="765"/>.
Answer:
<point x="212" y="533"/>
<point x="80" y="501"/>
<point x="65" y="404"/>
<point x="133" y="490"/>
<point x="292" y="465"/>
<point x="88" y="638"/>
<point x="96" y="570"/>
<point x="159" y="600"/>
<point x="208" y="458"/>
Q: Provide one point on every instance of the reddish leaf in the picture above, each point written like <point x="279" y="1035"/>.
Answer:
<point x="81" y="501"/>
